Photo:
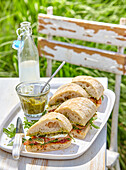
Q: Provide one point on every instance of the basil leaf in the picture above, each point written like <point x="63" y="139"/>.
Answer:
<point x="11" y="131"/>
<point x="92" y="124"/>
<point x="31" y="144"/>
<point x="30" y="139"/>
<point x="52" y="141"/>
<point x="44" y="112"/>
<point x="95" y="126"/>
<point x="72" y="137"/>
<point x="41" y="135"/>
<point x="68" y="138"/>
<point x="102" y="97"/>
<point x="74" y="127"/>
<point x="10" y="144"/>
<point x="28" y="124"/>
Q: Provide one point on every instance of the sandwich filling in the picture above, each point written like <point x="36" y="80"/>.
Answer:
<point x="95" y="101"/>
<point x="64" y="93"/>
<point x="52" y="108"/>
<point x="92" y="86"/>
<point x="43" y="140"/>
<point x="78" y="128"/>
<point x="49" y="133"/>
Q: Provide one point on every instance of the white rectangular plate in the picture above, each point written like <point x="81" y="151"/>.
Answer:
<point x="78" y="147"/>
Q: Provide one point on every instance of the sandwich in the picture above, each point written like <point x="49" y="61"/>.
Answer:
<point x="50" y="133"/>
<point x="80" y="111"/>
<point x="65" y="92"/>
<point x="92" y="86"/>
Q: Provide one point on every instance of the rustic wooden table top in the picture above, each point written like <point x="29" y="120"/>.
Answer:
<point x="93" y="159"/>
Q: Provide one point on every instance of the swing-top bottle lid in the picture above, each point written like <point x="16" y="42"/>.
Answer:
<point x="25" y="24"/>
<point x="25" y="28"/>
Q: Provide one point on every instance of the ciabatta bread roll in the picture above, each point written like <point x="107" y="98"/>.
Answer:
<point x="79" y="111"/>
<point x="49" y="124"/>
<point x="65" y="92"/>
<point x="50" y="133"/>
<point x="92" y="86"/>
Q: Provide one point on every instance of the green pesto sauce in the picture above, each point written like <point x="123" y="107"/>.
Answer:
<point x="32" y="105"/>
<point x="48" y="133"/>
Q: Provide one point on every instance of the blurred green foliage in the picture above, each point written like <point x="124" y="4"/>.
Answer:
<point x="13" y="12"/>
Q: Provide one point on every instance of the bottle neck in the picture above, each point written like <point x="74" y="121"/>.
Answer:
<point x="25" y="30"/>
<point x="26" y="27"/>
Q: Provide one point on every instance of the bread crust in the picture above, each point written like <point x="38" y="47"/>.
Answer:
<point x="67" y="91"/>
<point x="50" y="123"/>
<point x="48" y="147"/>
<point x="92" y="86"/>
<point x="78" y="110"/>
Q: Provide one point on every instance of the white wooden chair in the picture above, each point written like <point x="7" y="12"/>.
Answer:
<point x="109" y="61"/>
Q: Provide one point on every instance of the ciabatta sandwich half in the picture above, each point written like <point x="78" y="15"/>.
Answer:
<point x="92" y="86"/>
<point x="65" y="92"/>
<point x="51" y="132"/>
<point x="79" y="111"/>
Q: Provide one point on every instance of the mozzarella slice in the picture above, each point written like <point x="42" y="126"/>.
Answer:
<point x="58" y="136"/>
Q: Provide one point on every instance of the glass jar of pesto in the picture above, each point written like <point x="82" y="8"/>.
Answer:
<point x="33" y="102"/>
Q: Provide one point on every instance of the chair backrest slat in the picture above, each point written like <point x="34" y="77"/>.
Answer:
<point x="84" y="56"/>
<point x="91" y="31"/>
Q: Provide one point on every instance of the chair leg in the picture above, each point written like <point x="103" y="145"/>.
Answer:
<point x="114" y="127"/>
<point x="49" y="68"/>
<point x="117" y="166"/>
<point x="49" y="61"/>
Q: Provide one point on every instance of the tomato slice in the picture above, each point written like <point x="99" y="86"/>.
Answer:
<point x="96" y="101"/>
<point x="26" y="142"/>
<point x="80" y="127"/>
<point x="99" y="101"/>
<point x="63" y="140"/>
<point x="33" y="137"/>
<point x="30" y="142"/>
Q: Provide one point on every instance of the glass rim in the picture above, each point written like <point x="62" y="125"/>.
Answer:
<point x="32" y="95"/>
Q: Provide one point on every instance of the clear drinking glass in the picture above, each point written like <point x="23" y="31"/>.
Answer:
<point x="33" y="102"/>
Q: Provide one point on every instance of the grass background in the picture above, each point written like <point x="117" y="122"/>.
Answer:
<point x="13" y="12"/>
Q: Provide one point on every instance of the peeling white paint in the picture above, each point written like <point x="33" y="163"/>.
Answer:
<point x="92" y="61"/>
<point x="102" y="36"/>
<point x="54" y="17"/>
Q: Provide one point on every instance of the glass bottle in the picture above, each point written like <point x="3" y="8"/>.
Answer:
<point x="28" y="57"/>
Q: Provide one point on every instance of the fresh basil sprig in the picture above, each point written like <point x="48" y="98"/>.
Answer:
<point x="11" y="131"/>
<point x="28" y="124"/>
<point x="74" y="127"/>
<point x="102" y="97"/>
<point x="10" y="144"/>
<point x="92" y="124"/>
